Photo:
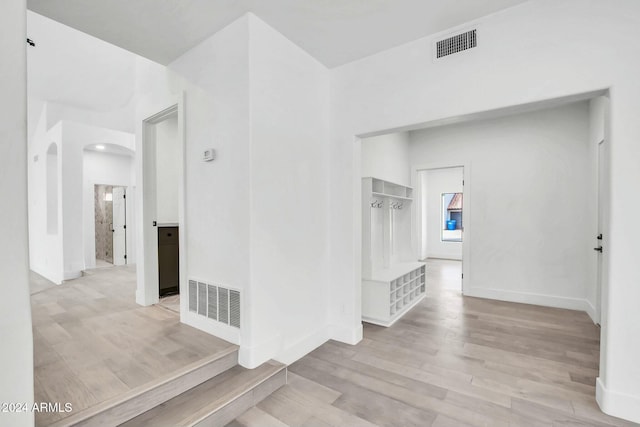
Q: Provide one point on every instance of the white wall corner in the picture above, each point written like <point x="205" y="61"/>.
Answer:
<point x="591" y="311"/>
<point x="71" y="275"/>
<point x="251" y="357"/>
<point x="141" y="298"/>
<point x="346" y="335"/>
<point x="617" y="404"/>
<point x="304" y="346"/>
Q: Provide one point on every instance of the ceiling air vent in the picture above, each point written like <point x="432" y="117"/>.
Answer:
<point x="457" y="43"/>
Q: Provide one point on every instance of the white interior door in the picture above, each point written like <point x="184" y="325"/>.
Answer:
<point x="119" y="226"/>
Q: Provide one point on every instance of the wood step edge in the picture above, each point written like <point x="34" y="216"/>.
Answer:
<point x="233" y="395"/>
<point x="88" y="413"/>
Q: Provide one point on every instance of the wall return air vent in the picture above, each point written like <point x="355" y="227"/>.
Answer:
<point x="458" y="43"/>
<point x="215" y="302"/>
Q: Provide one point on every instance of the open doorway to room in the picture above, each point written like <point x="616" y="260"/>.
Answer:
<point x="539" y="203"/>
<point x="110" y="225"/>
<point x="440" y="224"/>
<point x="162" y="163"/>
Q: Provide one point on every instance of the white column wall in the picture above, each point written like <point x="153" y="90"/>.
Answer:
<point x="16" y="353"/>
<point x="289" y="198"/>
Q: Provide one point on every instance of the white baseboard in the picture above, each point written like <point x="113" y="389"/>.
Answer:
<point x="592" y="312"/>
<point x="346" y="335"/>
<point x="71" y="275"/>
<point x="253" y="356"/>
<point x="529" y="298"/>
<point x="617" y="404"/>
<point x="303" y="346"/>
<point x="441" y="256"/>
<point x="141" y="299"/>
<point x="55" y="278"/>
<point x="212" y="327"/>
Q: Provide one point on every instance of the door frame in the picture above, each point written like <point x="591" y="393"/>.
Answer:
<point x="602" y="221"/>
<point x="113" y="236"/>
<point x="130" y="218"/>
<point x="147" y="292"/>
<point x="416" y="213"/>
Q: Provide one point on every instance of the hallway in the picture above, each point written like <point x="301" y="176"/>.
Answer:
<point x="451" y="361"/>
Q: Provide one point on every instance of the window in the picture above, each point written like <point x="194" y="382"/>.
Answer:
<point x="451" y="229"/>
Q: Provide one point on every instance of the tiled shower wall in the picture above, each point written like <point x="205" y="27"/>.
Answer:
<point x="104" y="221"/>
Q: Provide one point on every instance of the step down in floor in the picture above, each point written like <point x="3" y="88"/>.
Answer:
<point x="141" y="399"/>
<point x="217" y="401"/>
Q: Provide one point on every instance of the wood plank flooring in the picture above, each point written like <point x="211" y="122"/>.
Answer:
<point x="451" y="361"/>
<point x="92" y="342"/>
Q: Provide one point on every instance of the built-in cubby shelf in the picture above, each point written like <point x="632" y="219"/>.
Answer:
<point x="389" y="189"/>
<point x="392" y="292"/>
<point x="392" y="282"/>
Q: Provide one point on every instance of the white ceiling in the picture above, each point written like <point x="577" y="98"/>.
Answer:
<point x="333" y="31"/>
<point x="110" y="149"/>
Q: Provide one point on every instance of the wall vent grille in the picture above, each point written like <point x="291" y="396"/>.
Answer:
<point x="234" y="308"/>
<point x="212" y="305"/>
<point x="202" y="298"/>
<point x="193" y="296"/>
<point x="223" y="312"/>
<point x="458" y="43"/>
<point x="215" y="302"/>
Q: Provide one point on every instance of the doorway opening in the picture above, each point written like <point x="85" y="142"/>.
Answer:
<point x="163" y="207"/>
<point x="540" y="203"/>
<point x="110" y="225"/>
<point x="441" y="223"/>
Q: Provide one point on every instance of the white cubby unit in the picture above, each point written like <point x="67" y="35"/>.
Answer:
<point x="392" y="281"/>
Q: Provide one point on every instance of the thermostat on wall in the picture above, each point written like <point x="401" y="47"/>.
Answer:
<point x="209" y="155"/>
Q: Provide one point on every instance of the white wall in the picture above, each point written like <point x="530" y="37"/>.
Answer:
<point x="214" y="78"/>
<point x="75" y="137"/>
<point x="107" y="169"/>
<point x="63" y="256"/>
<point x="80" y="77"/>
<point x="532" y="204"/>
<point x="387" y="157"/>
<point x="167" y="170"/>
<point x="16" y="355"/>
<point x="289" y="198"/>
<point x="519" y="61"/>
<point x="262" y="103"/>
<point x="438" y="181"/>
<point x="45" y="248"/>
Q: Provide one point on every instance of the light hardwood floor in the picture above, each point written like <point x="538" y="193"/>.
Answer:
<point x="92" y="342"/>
<point x="451" y="361"/>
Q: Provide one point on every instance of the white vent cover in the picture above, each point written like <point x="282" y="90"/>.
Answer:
<point x="458" y="43"/>
<point x="215" y="302"/>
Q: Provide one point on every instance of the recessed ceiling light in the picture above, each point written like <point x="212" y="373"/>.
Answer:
<point x="100" y="147"/>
